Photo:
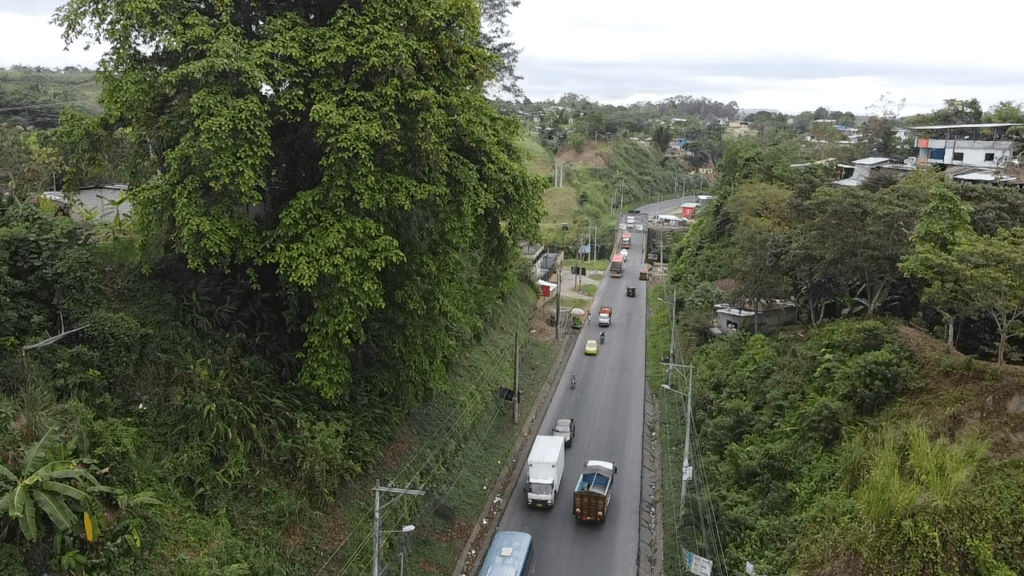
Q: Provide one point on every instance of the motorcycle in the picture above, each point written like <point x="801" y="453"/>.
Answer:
<point x="573" y="382"/>
<point x="602" y="337"/>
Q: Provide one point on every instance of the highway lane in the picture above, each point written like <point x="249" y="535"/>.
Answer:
<point x="608" y="407"/>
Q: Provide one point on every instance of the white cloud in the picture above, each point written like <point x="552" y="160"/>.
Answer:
<point x="790" y="55"/>
<point x="32" y="41"/>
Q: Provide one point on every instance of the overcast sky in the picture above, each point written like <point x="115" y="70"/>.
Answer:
<point x="789" y="55"/>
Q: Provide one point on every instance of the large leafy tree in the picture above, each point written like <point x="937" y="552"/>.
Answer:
<point x="344" y="152"/>
<point x="26" y="164"/>
<point x="982" y="275"/>
<point x="852" y="239"/>
<point x="946" y="220"/>
<point x="759" y="240"/>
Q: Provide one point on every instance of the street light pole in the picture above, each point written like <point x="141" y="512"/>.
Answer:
<point x="377" y="533"/>
<point x="687" y="469"/>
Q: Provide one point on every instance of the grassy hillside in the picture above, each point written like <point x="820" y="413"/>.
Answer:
<point x="596" y="180"/>
<point x="859" y="447"/>
<point x="541" y="160"/>
<point x="36" y="96"/>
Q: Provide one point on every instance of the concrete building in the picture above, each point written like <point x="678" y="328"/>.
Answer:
<point x="769" y="318"/>
<point x="856" y="173"/>
<point x="736" y="129"/>
<point x="977" y="145"/>
<point x="100" y="204"/>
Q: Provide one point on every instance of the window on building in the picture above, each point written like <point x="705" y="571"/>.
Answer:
<point x="990" y="157"/>
<point x="958" y="156"/>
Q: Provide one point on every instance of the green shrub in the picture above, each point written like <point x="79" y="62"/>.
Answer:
<point x="872" y="380"/>
<point x="11" y="561"/>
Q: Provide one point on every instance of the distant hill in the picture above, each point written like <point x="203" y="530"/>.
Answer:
<point x="36" y="96"/>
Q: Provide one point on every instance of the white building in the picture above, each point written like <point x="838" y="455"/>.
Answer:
<point x="101" y="204"/>
<point x="860" y="170"/>
<point x="978" y="145"/>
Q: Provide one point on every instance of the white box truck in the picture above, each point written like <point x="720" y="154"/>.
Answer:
<point x="544" y="471"/>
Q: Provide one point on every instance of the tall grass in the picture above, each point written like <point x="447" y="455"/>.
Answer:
<point x="911" y="470"/>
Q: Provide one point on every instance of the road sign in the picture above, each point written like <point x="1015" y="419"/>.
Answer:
<point x="687" y="473"/>
<point x="698" y="565"/>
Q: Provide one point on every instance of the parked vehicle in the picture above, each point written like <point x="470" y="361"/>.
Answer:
<point x="510" y="554"/>
<point x="544" y="471"/>
<point x="594" y="491"/>
<point x="566" y="429"/>
<point x="631" y="291"/>
<point x="591" y="348"/>
<point x="604" y="317"/>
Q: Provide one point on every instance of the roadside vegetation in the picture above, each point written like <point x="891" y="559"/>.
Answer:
<point x="862" y="440"/>
<point x="330" y="297"/>
<point x="204" y="390"/>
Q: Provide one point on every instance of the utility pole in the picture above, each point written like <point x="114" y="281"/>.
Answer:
<point x="687" y="472"/>
<point x="672" y="341"/>
<point x="515" y="397"/>
<point x="661" y="254"/>
<point x="377" y="534"/>
<point x="558" y="303"/>
<point x="687" y="469"/>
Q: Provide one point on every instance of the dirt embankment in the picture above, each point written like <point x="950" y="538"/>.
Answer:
<point x="960" y="393"/>
<point x="592" y="156"/>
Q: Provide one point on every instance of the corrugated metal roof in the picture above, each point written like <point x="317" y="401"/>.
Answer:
<point x="948" y="126"/>
<point x="849" y="182"/>
<point x="983" y="177"/>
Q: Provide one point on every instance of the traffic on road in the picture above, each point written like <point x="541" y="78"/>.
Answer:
<point x="597" y="408"/>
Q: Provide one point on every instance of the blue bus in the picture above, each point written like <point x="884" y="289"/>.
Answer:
<point x="511" y="554"/>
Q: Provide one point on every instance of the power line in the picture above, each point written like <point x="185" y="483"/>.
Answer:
<point x="713" y="519"/>
<point x="494" y="369"/>
<point x="28" y="106"/>
<point x="366" y="539"/>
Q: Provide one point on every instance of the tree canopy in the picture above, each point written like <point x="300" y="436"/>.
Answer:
<point x="342" y="153"/>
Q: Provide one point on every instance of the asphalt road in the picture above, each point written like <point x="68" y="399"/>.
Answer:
<point x="666" y="206"/>
<point x="608" y="407"/>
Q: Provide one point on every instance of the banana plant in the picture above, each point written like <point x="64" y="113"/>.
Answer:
<point x="47" y="489"/>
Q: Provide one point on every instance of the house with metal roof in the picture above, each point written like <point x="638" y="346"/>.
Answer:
<point x="977" y="145"/>
<point x="858" y="171"/>
<point x="101" y="204"/>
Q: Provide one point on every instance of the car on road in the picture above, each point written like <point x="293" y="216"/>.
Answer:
<point x="566" y="428"/>
<point x="591" y="348"/>
<point x="631" y="291"/>
<point x="625" y="254"/>
<point x="630" y="220"/>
